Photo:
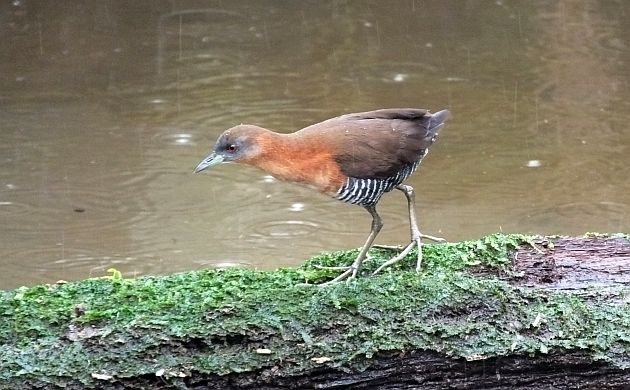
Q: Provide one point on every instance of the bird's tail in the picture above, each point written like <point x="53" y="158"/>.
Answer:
<point x="436" y="122"/>
<point x="433" y="123"/>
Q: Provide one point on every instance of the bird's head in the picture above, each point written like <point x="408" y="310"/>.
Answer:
<point x="238" y="144"/>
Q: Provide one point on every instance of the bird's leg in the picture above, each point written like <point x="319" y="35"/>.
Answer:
<point x="413" y="225"/>
<point x="416" y="236"/>
<point x="355" y="268"/>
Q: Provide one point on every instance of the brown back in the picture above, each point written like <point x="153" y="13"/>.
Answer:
<point x="376" y="144"/>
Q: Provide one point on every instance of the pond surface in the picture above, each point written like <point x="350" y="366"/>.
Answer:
<point x="107" y="106"/>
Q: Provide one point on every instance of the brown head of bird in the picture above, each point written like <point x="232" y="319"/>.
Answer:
<point x="238" y="144"/>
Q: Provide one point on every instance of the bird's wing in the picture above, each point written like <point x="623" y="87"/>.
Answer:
<point x="378" y="144"/>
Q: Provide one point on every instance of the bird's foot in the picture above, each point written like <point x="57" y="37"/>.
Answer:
<point x="332" y="268"/>
<point x="432" y="238"/>
<point x="347" y="275"/>
<point x="401" y="247"/>
<point x="401" y="256"/>
<point x="390" y="247"/>
<point x="415" y="241"/>
<point x="367" y="258"/>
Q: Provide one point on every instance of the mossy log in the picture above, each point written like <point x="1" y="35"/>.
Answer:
<point x="505" y="311"/>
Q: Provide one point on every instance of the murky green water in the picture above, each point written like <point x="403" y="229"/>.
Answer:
<point x="106" y="107"/>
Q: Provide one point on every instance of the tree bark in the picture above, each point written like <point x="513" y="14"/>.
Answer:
<point x="574" y="264"/>
<point x="428" y="370"/>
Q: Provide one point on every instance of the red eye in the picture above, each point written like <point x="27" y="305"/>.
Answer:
<point x="232" y="148"/>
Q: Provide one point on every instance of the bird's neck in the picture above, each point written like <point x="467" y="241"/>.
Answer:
<point x="293" y="157"/>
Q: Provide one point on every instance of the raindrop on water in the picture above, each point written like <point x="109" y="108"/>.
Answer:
<point x="182" y="139"/>
<point x="533" y="164"/>
<point x="297" y="207"/>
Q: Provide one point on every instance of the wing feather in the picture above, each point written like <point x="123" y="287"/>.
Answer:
<point x="378" y="144"/>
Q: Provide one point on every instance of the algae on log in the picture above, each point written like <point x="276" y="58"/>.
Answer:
<point x="506" y="311"/>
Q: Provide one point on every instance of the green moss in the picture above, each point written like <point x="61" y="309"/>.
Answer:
<point x="215" y="321"/>
<point x="491" y="252"/>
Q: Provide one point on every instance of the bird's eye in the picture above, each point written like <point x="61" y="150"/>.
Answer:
<point x="232" y="148"/>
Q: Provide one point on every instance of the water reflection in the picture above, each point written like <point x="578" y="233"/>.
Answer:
<point x="106" y="107"/>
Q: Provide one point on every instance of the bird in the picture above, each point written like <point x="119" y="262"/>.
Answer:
<point x="355" y="158"/>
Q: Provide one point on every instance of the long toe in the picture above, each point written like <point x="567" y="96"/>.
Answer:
<point x="396" y="259"/>
<point x="330" y="268"/>
<point x="346" y="275"/>
<point x="391" y="247"/>
<point x="419" y="258"/>
<point x="432" y="238"/>
<point x="418" y="239"/>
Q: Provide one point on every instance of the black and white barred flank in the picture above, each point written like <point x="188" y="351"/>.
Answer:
<point x="367" y="192"/>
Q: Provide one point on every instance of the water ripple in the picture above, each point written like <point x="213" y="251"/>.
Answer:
<point x="81" y="210"/>
<point x="579" y="217"/>
<point x="13" y="208"/>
